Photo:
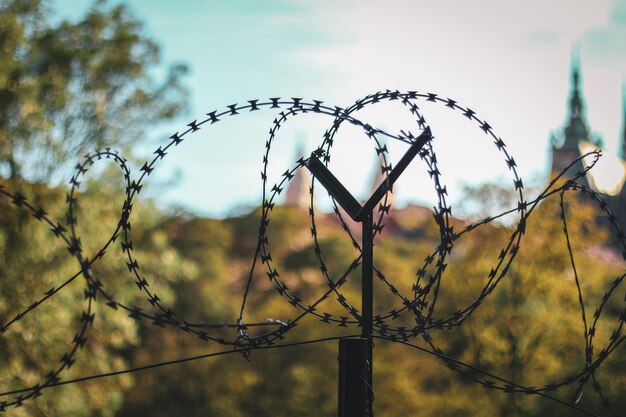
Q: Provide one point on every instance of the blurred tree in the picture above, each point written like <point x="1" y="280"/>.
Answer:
<point x="208" y="293"/>
<point x="66" y="88"/>
<point x="32" y="261"/>
<point x="527" y="330"/>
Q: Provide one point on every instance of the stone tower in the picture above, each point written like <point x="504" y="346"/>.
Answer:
<point x="566" y="150"/>
<point x="298" y="189"/>
<point x="379" y="177"/>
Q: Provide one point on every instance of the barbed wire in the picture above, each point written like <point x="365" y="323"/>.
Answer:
<point x="420" y="304"/>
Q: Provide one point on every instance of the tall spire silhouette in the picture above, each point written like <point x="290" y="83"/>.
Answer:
<point x="566" y="150"/>
<point x="298" y="189"/>
<point x="576" y="129"/>
<point x="379" y="177"/>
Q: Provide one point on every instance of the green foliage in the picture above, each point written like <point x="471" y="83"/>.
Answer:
<point x="528" y="330"/>
<point x="32" y="261"/>
<point x="66" y="88"/>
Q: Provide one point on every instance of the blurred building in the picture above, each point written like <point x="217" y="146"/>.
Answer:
<point x="298" y="189"/>
<point x="575" y="139"/>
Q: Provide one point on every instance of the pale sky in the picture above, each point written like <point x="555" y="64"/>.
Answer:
<point x="507" y="60"/>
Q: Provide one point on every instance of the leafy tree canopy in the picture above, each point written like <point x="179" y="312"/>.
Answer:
<point x="68" y="87"/>
<point x="65" y="89"/>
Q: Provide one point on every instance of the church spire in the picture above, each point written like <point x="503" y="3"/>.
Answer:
<point x="380" y="175"/>
<point x="576" y="105"/>
<point x="298" y="189"/>
<point x="576" y="129"/>
<point x="565" y="151"/>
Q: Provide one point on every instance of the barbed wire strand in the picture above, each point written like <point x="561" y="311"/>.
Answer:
<point x="426" y="289"/>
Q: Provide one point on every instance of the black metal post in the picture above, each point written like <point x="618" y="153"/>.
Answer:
<point x="356" y="355"/>
<point x="353" y="372"/>
<point x="356" y="393"/>
<point x="367" y="300"/>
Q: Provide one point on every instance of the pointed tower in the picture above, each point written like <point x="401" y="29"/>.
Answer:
<point x="298" y="189"/>
<point x="576" y="130"/>
<point x="379" y="177"/>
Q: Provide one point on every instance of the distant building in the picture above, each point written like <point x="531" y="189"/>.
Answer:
<point x="608" y="176"/>
<point x="298" y="189"/>
<point x="566" y="148"/>
<point x="297" y="193"/>
<point x="379" y="177"/>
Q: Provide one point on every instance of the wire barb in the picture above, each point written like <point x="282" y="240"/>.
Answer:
<point x="420" y="304"/>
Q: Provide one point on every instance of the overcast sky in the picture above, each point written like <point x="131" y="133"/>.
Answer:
<point x="507" y="60"/>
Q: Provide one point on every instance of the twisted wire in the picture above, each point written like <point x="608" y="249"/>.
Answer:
<point x="421" y="304"/>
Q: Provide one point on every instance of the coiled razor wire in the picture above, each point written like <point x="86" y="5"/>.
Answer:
<point x="419" y="304"/>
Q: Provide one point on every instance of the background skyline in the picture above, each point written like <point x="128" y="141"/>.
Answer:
<point x="509" y="62"/>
